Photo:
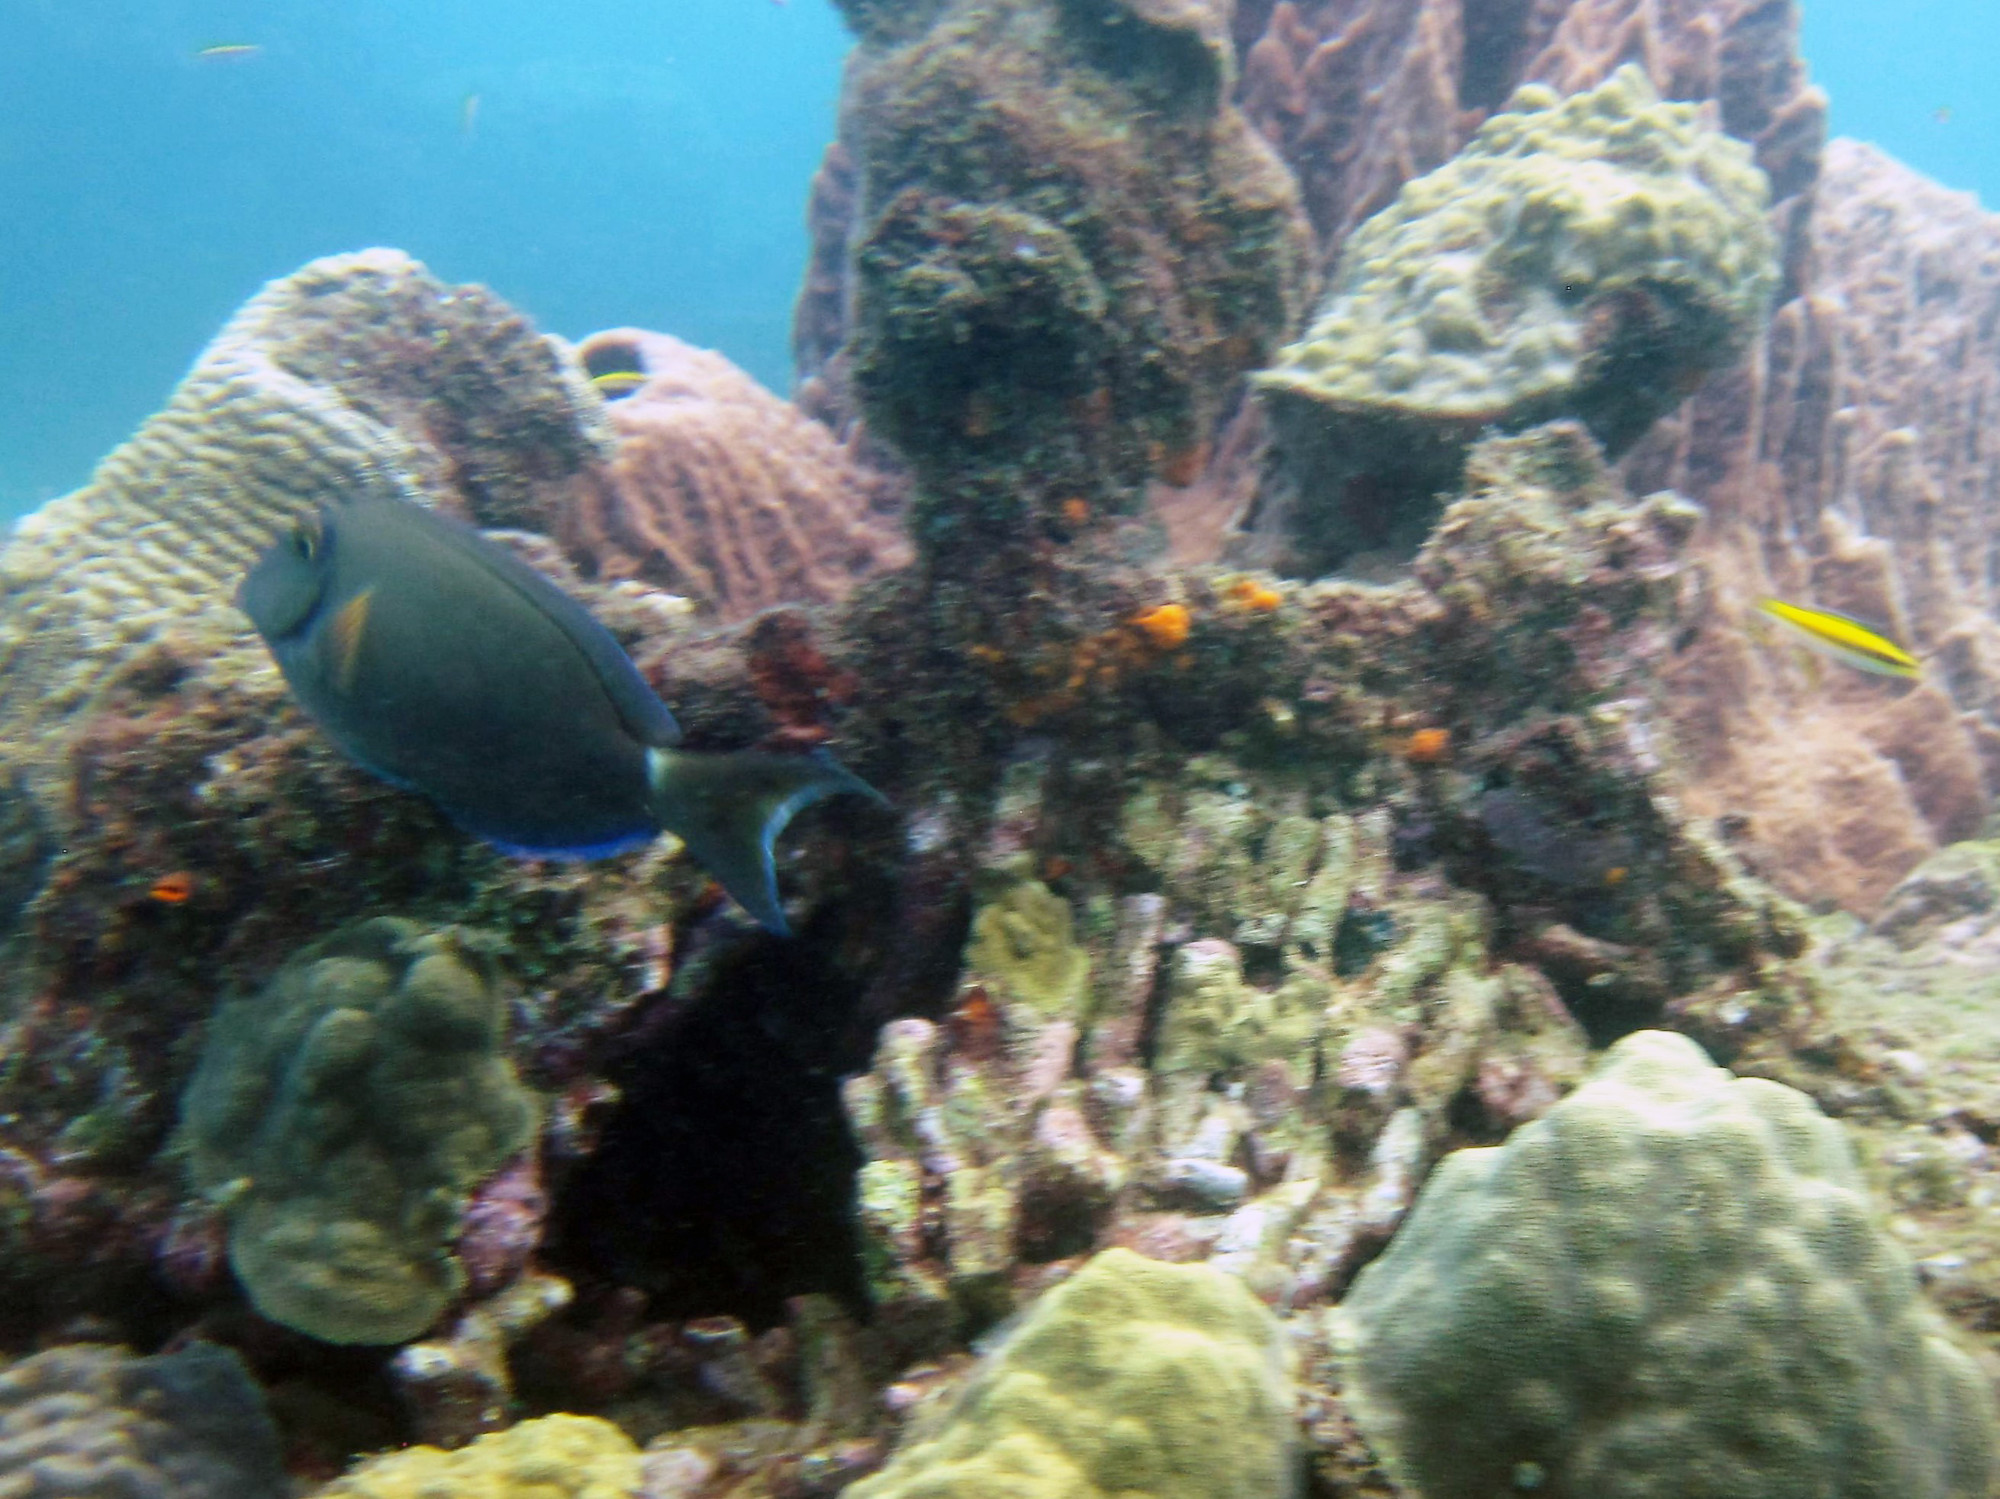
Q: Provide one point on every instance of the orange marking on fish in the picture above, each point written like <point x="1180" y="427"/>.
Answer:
<point x="345" y="633"/>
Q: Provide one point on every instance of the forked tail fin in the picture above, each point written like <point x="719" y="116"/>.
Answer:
<point x="728" y="808"/>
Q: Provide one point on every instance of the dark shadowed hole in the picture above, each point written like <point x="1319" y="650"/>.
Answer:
<point x="725" y="1182"/>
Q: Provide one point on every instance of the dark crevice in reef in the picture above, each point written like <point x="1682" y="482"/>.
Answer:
<point x="724" y="1182"/>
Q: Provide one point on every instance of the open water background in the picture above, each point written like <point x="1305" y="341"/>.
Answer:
<point x="640" y="163"/>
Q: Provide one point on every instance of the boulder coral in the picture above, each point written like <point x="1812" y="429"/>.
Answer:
<point x="721" y="491"/>
<point x="356" y="375"/>
<point x="1133" y="1378"/>
<point x="87" y="1421"/>
<point x="341" y="1119"/>
<point x="552" y="1457"/>
<point x="1591" y="257"/>
<point x="1067" y="245"/>
<point x="1673" y="1283"/>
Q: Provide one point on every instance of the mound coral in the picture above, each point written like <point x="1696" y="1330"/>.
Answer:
<point x="357" y="375"/>
<point x="340" y="1120"/>
<point x="1133" y="1378"/>
<point x="720" y="491"/>
<point x="91" y="1422"/>
<point x="552" y="1457"/>
<point x="1592" y="257"/>
<point x="1067" y="245"/>
<point x="1671" y="1284"/>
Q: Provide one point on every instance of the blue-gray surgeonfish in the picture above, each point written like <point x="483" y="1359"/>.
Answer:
<point x="447" y="665"/>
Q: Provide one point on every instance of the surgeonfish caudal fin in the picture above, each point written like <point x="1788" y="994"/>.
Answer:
<point x="729" y="808"/>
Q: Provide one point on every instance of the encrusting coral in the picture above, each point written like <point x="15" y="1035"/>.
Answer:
<point x="1023" y="942"/>
<point x="1132" y="1378"/>
<point x="551" y="1457"/>
<point x="1067" y="246"/>
<point x="1671" y="1284"/>
<point x="1590" y="257"/>
<point x="93" y="1422"/>
<point x="341" y="1119"/>
<point x="356" y="375"/>
<point x="721" y="491"/>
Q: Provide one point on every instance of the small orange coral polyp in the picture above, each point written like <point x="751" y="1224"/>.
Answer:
<point x="1166" y="626"/>
<point x="1249" y="594"/>
<point x="1428" y="747"/>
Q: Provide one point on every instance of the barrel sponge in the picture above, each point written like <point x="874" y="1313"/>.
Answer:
<point x="551" y="1457"/>
<point x="357" y="375"/>
<point x="340" y="1120"/>
<point x="94" y="1422"/>
<point x="1670" y="1285"/>
<point x="1133" y="1378"/>
<point x="1589" y="256"/>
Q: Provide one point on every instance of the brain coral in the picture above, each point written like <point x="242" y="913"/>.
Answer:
<point x="1671" y="1285"/>
<point x="720" y="491"/>
<point x="553" y="1457"/>
<point x="1590" y="257"/>
<point x="1133" y="1378"/>
<point x="341" y="1118"/>
<point x="91" y="1422"/>
<point x="359" y="374"/>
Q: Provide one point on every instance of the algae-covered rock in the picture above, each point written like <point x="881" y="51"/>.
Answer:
<point x="1133" y="1378"/>
<point x="1590" y="257"/>
<point x="1671" y="1284"/>
<point x="1024" y="942"/>
<point x="340" y="1118"/>
<point x="552" y="1457"/>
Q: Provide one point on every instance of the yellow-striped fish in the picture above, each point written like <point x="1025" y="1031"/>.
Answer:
<point x="613" y="384"/>
<point x="224" y="50"/>
<point x="1844" y="639"/>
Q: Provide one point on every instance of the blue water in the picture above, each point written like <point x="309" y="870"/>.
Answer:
<point x="644" y="161"/>
<point x="637" y="162"/>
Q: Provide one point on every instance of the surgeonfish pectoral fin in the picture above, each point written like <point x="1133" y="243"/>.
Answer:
<point x="730" y="808"/>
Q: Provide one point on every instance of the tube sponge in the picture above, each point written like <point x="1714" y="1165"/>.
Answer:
<point x="1133" y="1378"/>
<point x="1670" y="1285"/>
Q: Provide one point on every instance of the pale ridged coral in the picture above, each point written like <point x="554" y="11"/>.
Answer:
<point x="1591" y="257"/>
<point x="92" y="1422"/>
<point x="723" y="492"/>
<point x="553" y="1457"/>
<point x="1671" y="1284"/>
<point x="1133" y="1378"/>
<point x="358" y="375"/>
<point x="340" y="1120"/>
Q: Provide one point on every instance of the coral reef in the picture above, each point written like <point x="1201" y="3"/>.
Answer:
<point x="340" y="1119"/>
<point x="721" y="491"/>
<point x="553" y="1457"/>
<point x="94" y="1422"/>
<point x="1023" y="943"/>
<point x="1131" y="1378"/>
<point x="1359" y="98"/>
<point x="1593" y="257"/>
<point x="1066" y="246"/>
<point x="1673" y="1282"/>
<point x="1846" y="464"/>
<point x="358" y="374"/>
